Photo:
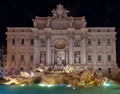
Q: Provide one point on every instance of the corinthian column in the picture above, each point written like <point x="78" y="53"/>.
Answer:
<point x="71" y="57"/>
<point x="48" y="48"/>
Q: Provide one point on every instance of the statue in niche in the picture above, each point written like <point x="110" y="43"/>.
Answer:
<point x="59" y="60"/>
<point x="60" y="57"/>
<point x="77" y="57"/>
<point x="42" y="43"/>
<point x="43" y="58"/>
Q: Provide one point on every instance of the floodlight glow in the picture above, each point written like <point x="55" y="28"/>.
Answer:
<point x="41" y="85"/>
<point x="73" y="87"/>
<point x="106" y="84"/>
<point x="68" y="85"/>
<point x="47" y="85"/>
<point x="22" y="85"/>
<point x="7" y="83"/>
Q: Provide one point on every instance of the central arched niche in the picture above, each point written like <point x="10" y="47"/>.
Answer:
<point x="59" y="44"/>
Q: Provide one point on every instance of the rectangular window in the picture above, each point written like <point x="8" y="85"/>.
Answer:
<point x="99" y="69"/>
<point x="22" y="58"/>
<point x="31" y="57"/>
<point x="109" y="70"/>
<point x="99" y="58"/>
<point x="12" y="57"/>
<point x="89" y="42"/>
<point x="99" y="42"/>
<point x="13" y="41"/>
<point x="108" y="42"/>
<point x="32" y="42"/>
<point x="89" y="58"/>
<point x="109" y="57"/>
<point x="22" y="41"/>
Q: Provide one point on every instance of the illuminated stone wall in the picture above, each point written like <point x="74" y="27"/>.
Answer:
<point x="61" y="39"/>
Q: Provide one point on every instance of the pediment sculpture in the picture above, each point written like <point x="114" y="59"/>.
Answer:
<point x="60" y="12"/>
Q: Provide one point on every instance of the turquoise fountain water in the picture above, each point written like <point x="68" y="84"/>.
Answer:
<point x="108" y="88"/>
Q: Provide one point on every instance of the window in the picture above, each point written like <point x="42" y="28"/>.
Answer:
<point x="109" y="70"/>
<point x="108" y="42"/>
<point x="31" y="57"/>
<point x="98" y="30"/>
<point x="89" y="30"/>
<point x="22" y="58"/>
<point x="21" y="69"/>
<point x="22" y="41"/>
<point x="99" y="42"/>
<point x="89" y="42"/>
<point x="99" y="69"/>
<point x="12" y="57"/>
<point x="13" y="41"/>
<point x="89" y="58"/>
<point x="109" y="57"/>
<point x="32" y="42"/>
<point x="99" y="58"/>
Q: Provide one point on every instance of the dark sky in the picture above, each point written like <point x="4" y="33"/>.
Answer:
<point x="98" y="13"/>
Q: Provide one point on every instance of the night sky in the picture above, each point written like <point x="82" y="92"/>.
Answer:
<point x="98" y="13"/>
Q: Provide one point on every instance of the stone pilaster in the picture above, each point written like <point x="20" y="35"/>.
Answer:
<point x="67" y="56"/>
<point x="94" y="55"/>
<point x="36" y="51"/>
<point x="83" y="51"/>
<point x="104" y="56"/>
<point x="115" y="67"/>
<point x="114" y="50"/>
<point x="53" y="57"/>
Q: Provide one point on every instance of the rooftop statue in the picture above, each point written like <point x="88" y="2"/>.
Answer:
<point x="59" y="20"/>
<point x="60" y="12"/>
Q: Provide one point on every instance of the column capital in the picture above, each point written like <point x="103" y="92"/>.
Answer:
<point x="71" y="35"/>
<point x="36" y="37"/>
<point x="48" y="36"/>
<point x="83" y="36"/>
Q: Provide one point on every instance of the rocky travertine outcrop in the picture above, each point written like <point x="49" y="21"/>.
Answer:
<point x="85" y="78"/>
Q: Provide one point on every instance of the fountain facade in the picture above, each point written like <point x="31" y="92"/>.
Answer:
<point x="61" y="40"/>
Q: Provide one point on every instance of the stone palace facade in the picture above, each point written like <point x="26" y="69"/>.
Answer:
<point x="61" y="39"/>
